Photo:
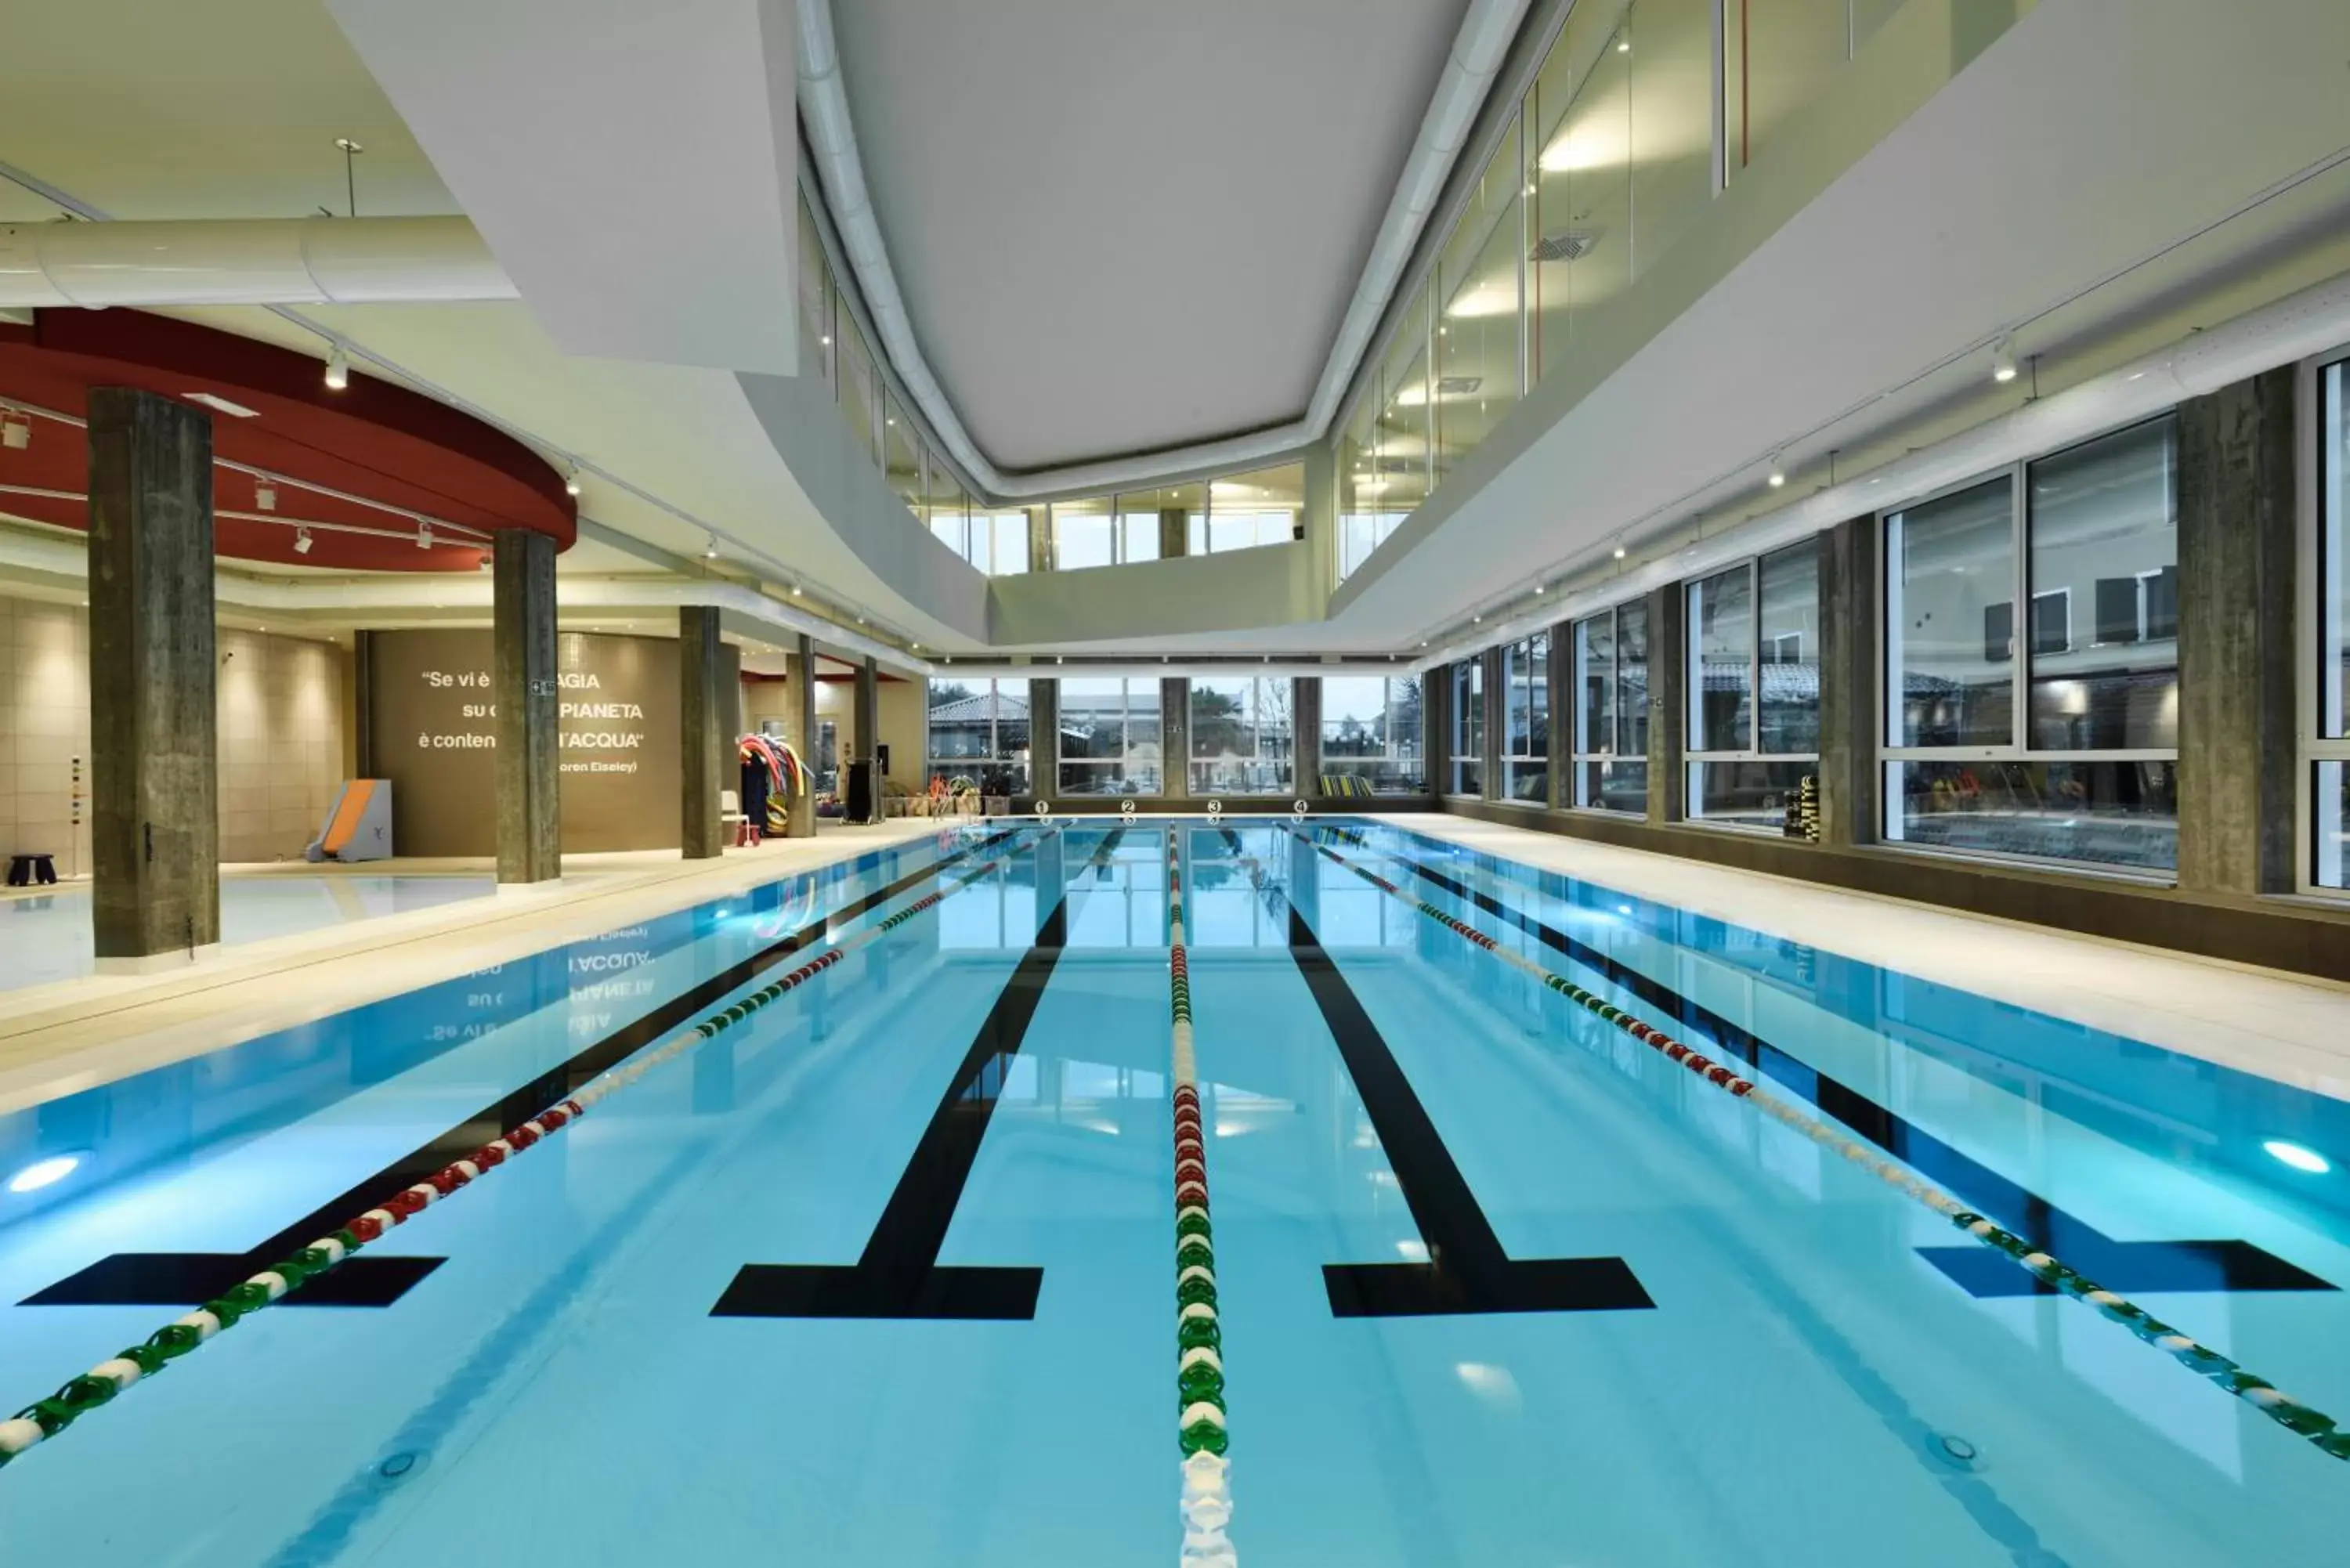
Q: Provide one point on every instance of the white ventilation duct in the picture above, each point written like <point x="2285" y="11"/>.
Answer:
<point x="247" y="260"/>
<point x="2293" y="328"/>
<point x="1486" y="31"/>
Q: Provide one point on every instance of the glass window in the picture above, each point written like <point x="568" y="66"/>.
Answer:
<point x="1371" y="736"/>
<point x="2085" y="768"/>
<point x="1477" y="326"/>
<point x="1145" y="516"/>
<point x="1243" y="737"/>
<point x="1776" y="58"/>
<point x="2329" y="813"/>
<point x="1611" y="710"/>
<point x="1368" y="510"/>
<point x="1581" y="149"/>
<point x="1249" y="510"/>
<point x="1671" y="104"/>
<point x="1083" y="533"/>
<point x="1005" y="538"/>
<point x="1949" y="623"/>
<point x="860" y="385"/>
<point x="1754" y="688"/>
<point x="1468" y="726"/>
<point x="1109" y="737"/>
<point x="901" y="456"/>
<point x="979" y="735"/>
<point x="1401" y="446"/>
<point x="816" y="301"/>
<point x="2104" y="527"/>
<point x="1525" y="691"/>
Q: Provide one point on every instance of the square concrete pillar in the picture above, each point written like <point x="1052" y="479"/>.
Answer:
<point x="704" y="730"/>
<point x="2237" y="567"/>
<point x="1667" y="704"/>
<point x="1497" y="714"/>
<point x="1849" y="701"/>
<point x="1175" y="737"/>
<point x="153" y="674"/>
<point x="1174" y="532"/>
<point x="528" y="694"/>
<point x="801" y="813"/>
<point x="1305" y="749"/>
<point x="1436" y="727"/>
<point x="1043" y="738"/>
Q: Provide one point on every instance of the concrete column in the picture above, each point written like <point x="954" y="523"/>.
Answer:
<point x="1174" y="532"/>
<point x="702" y="727"/>
<point x="1496" y="715"/>
<point x="1849" y="700"/>
<point x="1305" y="715"/>
<point x="1667" y="704"/>
<point x="1436" y="727"/>
<point x="1040" y="538"/>
<point x="1175" y="737"/>
<point x="802" y="728"/>
<point x="2237" y="567"/>
<point x="1562" y="714"/>
<point x="868" y="727"/>
<point x="153" y="673"/>
<point x="528" y="699"/>
<point x="1043" y="738"/>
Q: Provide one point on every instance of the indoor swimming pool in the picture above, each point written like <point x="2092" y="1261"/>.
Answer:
<point x="45" y="936"/>
<point x="885" y="1271"/>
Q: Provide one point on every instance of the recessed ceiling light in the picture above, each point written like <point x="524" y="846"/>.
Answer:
<point x="216" y="402"/>
<point x="2300" y="1159"/>
<point x="45" y="1173"/>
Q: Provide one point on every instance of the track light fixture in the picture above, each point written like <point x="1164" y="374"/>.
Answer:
<point x="709" y="551"/>
<point x="301" y="541"/>
<point x="1619" y="551"/>
<point x="338" y="369"/>
<point x="1778" y="470"/>
<point x="424" y="535"/>
<point x="571" y="480"/>
<point x="264" y="495"/>
<point x="2003" y="361"/>
<point x="15" y="429"/>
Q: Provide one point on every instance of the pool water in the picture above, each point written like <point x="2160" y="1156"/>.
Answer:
<point x="45" y="937"/>
<point x="883" y="1274"/>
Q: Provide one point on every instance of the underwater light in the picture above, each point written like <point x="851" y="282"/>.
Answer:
<point x="43" y="1173"/>
<point x="2300" y="1159"/>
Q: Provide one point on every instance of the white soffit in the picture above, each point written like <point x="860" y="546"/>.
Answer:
<point x="631" y="165"/>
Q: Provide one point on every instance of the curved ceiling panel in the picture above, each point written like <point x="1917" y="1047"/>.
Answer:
<point x="1126" y="225"/>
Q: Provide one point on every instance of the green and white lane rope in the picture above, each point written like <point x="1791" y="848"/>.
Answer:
<point x="44" y="1419"/>
<point x="2317" y="1427"/>
<point x="1199" y="1330"/>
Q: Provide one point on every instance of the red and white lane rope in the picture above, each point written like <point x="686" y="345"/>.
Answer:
<point x="44" y="1419"/>
<point x="2319" y="1428"/>
<point x="1199" y="1329"/>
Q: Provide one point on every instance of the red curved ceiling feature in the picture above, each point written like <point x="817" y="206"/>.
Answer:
<point x="371" y="440"/>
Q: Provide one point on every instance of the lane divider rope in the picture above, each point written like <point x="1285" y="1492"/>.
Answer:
<point x="2317" y="1427"/>
<point x="1199" y="1330"/>
<point x="44" y="1419"/>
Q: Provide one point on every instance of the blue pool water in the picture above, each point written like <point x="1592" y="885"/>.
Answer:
<point x="45" y="937"/>
<point x="1767" y="1356"/>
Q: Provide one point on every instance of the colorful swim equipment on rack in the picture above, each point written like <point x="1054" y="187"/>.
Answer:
<point x="788" y="777"/>
<point x="1198" y="1331"/>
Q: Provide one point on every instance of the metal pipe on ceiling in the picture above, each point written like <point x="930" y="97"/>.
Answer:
<point x="247" y="260"/>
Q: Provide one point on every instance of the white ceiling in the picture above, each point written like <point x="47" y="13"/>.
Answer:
<point x="1121" y="226"/>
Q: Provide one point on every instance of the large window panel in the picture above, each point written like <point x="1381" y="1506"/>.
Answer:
<point x="1581" y="108"/>
<point x="1525" y="746"/>
<point x="979" y="731"/>
<point x="1777" y="55"/>
<point x="1244" y="737"/>
<point x="1671" y="60"/>
<point x="2104" y="527"/>
<point x="861" y="386"/>
<point x="1372" y="736"/>
<point x="1467" y="723"/>
<point x="2054" y="736"/>
<point x="2329" y="708"/>
<point x="1250" y="510"/>
<point x="1754" y="688"/>
<point x="1950" y="619"/>
<point x="1721" y="686"/>
<point x="1110" y="737"/>
<point x="1611" y="718"/>
<point x="1477" y="370"/>
<point x="1084" y="533"/>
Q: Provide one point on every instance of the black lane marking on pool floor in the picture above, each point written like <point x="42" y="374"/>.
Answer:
<point x="2131" y="1268"/>
<point x="899" y="1274"/>
<point x="374" y="1280"/>
<point x="1467" y="1270"/>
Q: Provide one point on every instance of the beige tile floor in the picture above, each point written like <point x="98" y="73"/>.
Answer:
<point x="2286" y="1027"/>
<point x="62" y="1038"/>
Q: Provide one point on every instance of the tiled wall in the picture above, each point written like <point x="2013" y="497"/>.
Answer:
<point x="283" y="736"/>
